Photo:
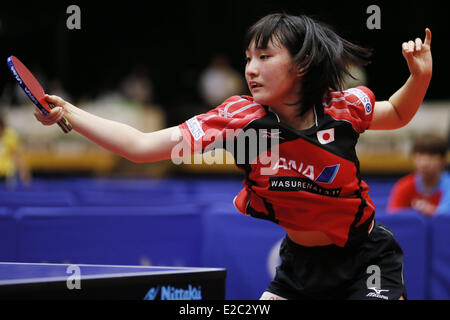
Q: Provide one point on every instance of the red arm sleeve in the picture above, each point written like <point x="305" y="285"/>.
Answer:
<point x="361" y="102"/>
<point x="353" y="105"/>
<point x="235" y="113"/>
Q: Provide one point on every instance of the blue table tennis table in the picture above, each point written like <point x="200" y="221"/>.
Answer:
<point x="81" y="281"/>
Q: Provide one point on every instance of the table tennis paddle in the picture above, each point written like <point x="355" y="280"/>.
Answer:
<point x="33" y="89"/>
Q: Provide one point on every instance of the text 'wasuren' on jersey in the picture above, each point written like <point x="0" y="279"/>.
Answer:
<point x="300" y="184"/>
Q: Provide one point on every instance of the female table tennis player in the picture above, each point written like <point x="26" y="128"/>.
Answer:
<point x="295" y="69"/>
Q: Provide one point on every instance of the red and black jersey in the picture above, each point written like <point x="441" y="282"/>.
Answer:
<point x="312" y="181"/>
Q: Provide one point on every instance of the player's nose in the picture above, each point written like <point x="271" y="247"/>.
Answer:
<point x="251" y="69"/>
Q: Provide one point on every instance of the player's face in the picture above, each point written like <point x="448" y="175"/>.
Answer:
<point x="272" y="78"/>
<point x="429" y="165"/>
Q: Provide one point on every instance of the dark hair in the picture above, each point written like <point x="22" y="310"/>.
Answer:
<point x="319" y="52"/>
<point x="430" y="144"/>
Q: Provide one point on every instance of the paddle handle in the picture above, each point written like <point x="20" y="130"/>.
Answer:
<point x="64" y="124"/>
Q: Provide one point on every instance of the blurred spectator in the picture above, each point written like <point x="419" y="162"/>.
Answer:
<point x="138" y="86"/>
<point x="11" y="157"/>
<point x="444" y="204"/>
<point x="219" y="81"/>
<point x="423" y="189"/>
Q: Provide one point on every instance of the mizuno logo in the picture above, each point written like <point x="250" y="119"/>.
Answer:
<point x="377" y="293"/>
<point x="273" y="134"/>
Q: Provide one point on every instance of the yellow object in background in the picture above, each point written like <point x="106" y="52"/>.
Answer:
<point x="9" y="144"/>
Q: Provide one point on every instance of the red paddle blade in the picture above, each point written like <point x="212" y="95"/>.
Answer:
<point x="28" y="83"/>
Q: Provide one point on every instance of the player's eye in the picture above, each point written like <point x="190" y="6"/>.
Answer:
<point x="247" y="59"/>
<point x="263" y="56"/>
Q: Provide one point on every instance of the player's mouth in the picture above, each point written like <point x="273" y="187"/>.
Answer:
<point x="253" y="85"/>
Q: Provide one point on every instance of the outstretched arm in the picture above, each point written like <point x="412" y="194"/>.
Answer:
<point x="403" y="104"/>
<point x="116" y="137"/>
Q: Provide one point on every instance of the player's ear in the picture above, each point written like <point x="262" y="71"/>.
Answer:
<point x="300" y="69"/>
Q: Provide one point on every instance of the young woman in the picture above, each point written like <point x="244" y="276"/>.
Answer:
<point x="333" y="247"/>
<point x="423" y="189"/>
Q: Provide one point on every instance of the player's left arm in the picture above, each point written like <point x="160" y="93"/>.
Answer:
<point x="404" y="103"/>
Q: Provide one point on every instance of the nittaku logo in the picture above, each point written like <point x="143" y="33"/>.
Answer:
<point x="172" y="293"/>
<point x="151" y="294"/>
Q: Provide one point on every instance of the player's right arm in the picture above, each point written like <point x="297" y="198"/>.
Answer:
<point x="197" y="134"/>
<point x="116" y="137"/>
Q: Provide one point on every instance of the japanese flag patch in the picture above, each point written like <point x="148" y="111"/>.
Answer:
<point x="325" y="136"/>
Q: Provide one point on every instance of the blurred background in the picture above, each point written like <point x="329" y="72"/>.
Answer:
<point x="156" y="65"/>
<point x="153" y="65"/>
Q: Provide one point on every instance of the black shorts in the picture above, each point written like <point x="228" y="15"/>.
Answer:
<point x="370" y="270"/>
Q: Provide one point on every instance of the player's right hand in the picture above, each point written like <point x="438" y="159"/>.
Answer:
<point x="55" y="115"/>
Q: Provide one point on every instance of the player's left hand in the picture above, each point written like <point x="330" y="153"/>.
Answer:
<point x="418" y="55"/>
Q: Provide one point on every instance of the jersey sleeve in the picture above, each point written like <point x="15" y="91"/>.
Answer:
<point x="354" y="106"/>
<point x="360" y="103"/>
<point x="206" y="130"/>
